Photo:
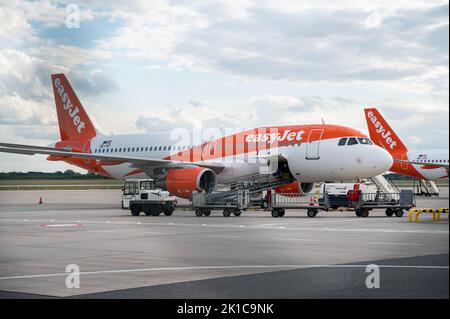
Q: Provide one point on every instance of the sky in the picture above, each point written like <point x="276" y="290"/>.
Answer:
<point x="158" y="65"/>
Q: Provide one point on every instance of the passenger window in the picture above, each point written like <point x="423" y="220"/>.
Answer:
<point x="146" y="149"/>
<point x="352" y="141"/>
<point x="342" y="141"/>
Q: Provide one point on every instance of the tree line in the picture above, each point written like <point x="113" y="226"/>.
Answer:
<point x="67" y="174"/>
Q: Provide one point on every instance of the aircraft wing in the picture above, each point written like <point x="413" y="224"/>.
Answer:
<point x="135" y="161"/>
<point x="423" y="163"/>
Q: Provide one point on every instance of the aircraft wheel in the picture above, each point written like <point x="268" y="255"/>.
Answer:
<point x="227" y="213"/>
<point x="399" y="213"/>
<point x="237" y="213"/>
<point x="389" y="212"/>
<point x="282" y="213"/>
<point x="135" y="210"/>
<point x="358" y="213"/>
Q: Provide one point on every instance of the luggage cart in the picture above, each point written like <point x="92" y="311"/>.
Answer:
<point x="393" y="203"/>
<point x="312" y="203"/>
<point x="231" y="202"/>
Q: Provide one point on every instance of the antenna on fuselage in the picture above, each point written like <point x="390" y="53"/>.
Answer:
<point x="323" y="121"/>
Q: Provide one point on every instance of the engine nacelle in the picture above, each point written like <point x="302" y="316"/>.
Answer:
<point x="295" y="188"/>
<point x="181" y="182"/>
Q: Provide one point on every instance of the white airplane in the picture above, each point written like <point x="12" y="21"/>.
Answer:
<point x="306" y="153"/>
<point x="425" y="165"/>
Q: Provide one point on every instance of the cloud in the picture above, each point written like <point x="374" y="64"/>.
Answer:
<point x="313" y="46"/>
<point x="196" y="103"/>
<point x="67" y="55"/>
<point x="13" y="25"/>
<point x="259" y="62"/>
<point x="96" y="82"/>
<point x="25" y="75"/>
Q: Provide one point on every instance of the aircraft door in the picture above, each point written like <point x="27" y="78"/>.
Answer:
<point x="313" y="144"/>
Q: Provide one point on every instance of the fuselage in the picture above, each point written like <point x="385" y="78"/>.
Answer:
<point x="427" y="169"/>
<point x="313" y="153"/>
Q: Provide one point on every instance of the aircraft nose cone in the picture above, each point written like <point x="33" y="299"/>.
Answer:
<point x="383" y="160"/>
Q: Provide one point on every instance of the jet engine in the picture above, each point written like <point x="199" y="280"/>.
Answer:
<point x="181" y="182"/>
<point x="295" y="188"/>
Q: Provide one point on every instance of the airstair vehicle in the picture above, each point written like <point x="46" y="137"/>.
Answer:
<point x="425" y="188"/>
<point x="385" y="185"/>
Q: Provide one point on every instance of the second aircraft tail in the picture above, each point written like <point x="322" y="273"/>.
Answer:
<point x="383" y="135"/>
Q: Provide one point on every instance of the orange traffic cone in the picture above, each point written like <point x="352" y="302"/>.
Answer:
<point x="40" y="201"/>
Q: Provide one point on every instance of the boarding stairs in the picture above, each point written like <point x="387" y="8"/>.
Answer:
<point x="426" y="188"/>
<point x="256" y="183"/>
<point x="385" y="185"/>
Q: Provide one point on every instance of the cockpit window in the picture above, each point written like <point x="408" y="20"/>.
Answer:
<point x="352" y="141"/>
<point x="365" y="141"/>
<point x="342" y="141"/>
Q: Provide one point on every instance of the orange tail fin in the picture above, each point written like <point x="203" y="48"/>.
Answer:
<point x="74" y="123"/>
<point x="383" y="135"/>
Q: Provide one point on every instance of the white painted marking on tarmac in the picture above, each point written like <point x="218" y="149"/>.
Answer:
<point x="301" y="239"/>
<point x="62" y="225"/>
<point x="393" y="244"/>
<point x="224" y="236"/>
<point x="292" y="228"/>
<point x="124" y="271"/>
<point x="101" y="231"/>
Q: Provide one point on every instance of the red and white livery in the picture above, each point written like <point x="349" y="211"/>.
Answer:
<point x="309" y="153"/>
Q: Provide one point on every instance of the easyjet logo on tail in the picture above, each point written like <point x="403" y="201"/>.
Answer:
<point x="385" y="133"/>
<point x="72" y="110"/>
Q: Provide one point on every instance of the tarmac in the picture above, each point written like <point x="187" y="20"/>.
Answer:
<point x="184" y="256"/>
